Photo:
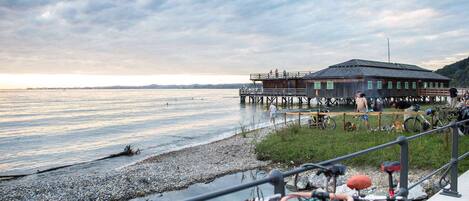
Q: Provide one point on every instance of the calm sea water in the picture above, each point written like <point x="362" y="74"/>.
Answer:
<point x="40" y="129"/>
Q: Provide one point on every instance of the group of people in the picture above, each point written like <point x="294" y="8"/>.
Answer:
<point x="406" y="106"/>
<point x="377" y="105"/>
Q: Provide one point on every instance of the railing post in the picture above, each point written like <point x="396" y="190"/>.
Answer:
<point x="453" y="190"/>
<point x="404" y="176"/>
<point x="279" y="184"/>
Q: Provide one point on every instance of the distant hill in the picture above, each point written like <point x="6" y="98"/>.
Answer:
<point x="458" y="72"/>
<point x="156" y="86"/>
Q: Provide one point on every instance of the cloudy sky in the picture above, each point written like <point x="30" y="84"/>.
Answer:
<point x="148" y="40"/>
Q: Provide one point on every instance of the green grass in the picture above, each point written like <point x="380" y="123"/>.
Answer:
<point x="301" y="145"/>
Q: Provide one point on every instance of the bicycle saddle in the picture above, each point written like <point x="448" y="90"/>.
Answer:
<point x="391" y="166"/>
<point x="359" y="182"/>
<point x="333" y="170"/>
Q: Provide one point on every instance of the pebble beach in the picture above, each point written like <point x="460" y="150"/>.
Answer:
<point x="165" y="172"/>
<point x="168" y="172"/>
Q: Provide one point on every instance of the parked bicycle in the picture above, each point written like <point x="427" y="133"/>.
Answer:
<point x="358" y="183"/>
<point x="323" y="121"/>
<point x="419" y="123"/>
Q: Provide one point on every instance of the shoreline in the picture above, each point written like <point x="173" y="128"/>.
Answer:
<point x="168" y="171"/>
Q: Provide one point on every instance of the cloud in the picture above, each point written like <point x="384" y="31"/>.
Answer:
<point x="405" y="19"/>
<point x="227" y="37"/>
<point x="439" y="62"/>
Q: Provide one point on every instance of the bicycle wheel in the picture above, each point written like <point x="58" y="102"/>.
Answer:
<point x="329" y="123"/>
<point x="439" y="124"/>
<point x="413" y="124"/>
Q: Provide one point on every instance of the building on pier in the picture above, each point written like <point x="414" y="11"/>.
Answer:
<point x="340" y="82"/>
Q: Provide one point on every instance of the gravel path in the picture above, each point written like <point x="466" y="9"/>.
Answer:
<point x="170" y="171"/>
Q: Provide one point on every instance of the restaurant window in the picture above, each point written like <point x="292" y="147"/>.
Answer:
<point x="330" y="84"/>
<point x="406" y="85"/>
<point x="442" y="85"/>
<point x="389" y="84"/>
<point x="398" y="85"/>
<point x="379" y="84"/>
<point x="414" y="85"/>
<point x="425" y="85"/>
<point x="436" y="84"/>
<point x="431" y="85"/>
<point x="370" y="84"/>
<point x="317" y="85"/>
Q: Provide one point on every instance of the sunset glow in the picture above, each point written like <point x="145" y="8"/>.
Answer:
<point x="13" y="81"/>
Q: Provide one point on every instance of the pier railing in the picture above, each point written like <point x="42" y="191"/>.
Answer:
<point x="279" y="75"/>
<point x="440" y="91"/>
<point x="273" y="91"/>
<point x="276" y="177"/>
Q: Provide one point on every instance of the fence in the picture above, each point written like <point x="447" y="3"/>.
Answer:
<point x="278" y="75"/>
<point x="276" y="177"/>
<point x="344" y="114"/>
<point x="273" y="91"/>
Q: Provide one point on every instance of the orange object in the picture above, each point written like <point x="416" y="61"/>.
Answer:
<point x="359" y="182"/>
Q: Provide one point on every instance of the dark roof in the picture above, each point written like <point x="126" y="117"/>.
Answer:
<point x="365" y="68"/>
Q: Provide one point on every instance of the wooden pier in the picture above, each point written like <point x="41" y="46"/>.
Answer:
<point x="338" y="84"/>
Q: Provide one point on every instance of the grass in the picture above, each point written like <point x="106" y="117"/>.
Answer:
<point x="300" y="145"/>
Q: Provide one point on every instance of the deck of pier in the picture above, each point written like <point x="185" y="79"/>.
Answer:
<point x="463" y="188"/>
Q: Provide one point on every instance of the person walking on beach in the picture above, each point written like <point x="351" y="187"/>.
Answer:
<point x="273" y="113"/>
<point x="362" y="107"/>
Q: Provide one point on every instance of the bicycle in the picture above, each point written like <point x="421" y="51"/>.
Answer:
<point x="358" y="183"/>
<point x="323" y="121"/>
<point x="417" y="123"/>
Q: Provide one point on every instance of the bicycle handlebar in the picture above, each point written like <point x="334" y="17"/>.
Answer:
<point x="377" y="198"/>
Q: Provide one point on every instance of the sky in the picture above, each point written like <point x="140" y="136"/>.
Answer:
<point x="45" y="43"/>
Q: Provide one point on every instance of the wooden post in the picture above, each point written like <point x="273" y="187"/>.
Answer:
<point x="344" y="122"/>
<point x="379" y="121"/>
<point x="299" y="119"/>
<point x="317" y="119"/>
<point x="285" y="118"/>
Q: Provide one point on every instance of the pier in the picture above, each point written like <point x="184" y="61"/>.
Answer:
<point x="339" y="83"/>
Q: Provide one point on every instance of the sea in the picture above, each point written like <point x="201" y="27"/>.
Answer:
<point x="41" y="129"/>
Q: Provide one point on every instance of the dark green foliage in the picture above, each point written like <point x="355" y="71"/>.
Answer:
<point x="458" y="72"/>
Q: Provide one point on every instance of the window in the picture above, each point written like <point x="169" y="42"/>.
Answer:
<point x="414" y="85"/>
<point x="330" y="84"/>
<point x="442" y="85"/>
<point x="431" y="85"/>
<point x="398" y="85"/>
<point x="425" y="85"/>
<point x="379" y="84"/>
<point x="406" y="85"/>
<point x="389" y="84"/>
<point x="370" y="84"/>
<point x="317" y="85"/>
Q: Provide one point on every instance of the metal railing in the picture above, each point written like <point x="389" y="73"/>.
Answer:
<point x="273" y="91"/>
<point x="440" y="91"/>
<point x="279" y="75"/>
<point x="276" y="177"/>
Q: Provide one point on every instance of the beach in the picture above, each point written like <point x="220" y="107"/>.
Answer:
<point x="160" y="173"/>
<point x="173" y="171"/>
